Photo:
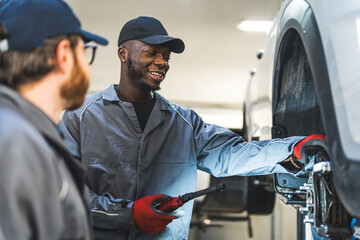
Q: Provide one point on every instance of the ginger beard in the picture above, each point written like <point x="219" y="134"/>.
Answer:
<point x="74" y="89"/>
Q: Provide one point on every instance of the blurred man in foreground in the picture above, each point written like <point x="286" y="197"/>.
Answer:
<point x="43" y="70"/>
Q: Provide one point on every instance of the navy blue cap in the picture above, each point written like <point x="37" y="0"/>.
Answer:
<point x="29" y="22"/>
<point x="149" y="30"/>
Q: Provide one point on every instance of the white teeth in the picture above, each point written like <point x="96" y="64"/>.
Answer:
<point x="156" y="74"/>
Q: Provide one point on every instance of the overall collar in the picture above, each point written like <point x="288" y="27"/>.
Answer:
<point x="110" y="94"/>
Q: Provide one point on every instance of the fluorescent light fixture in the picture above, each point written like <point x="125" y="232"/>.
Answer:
<point x="254" y="26"/>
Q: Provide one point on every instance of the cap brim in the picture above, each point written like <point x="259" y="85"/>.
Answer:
<point x="88" y="37"/>
<point x="176" y="44"/>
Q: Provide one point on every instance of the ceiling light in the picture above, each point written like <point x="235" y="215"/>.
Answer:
<point x="254" y="26"/>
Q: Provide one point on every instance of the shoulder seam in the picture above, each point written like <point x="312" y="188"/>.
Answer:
<point x="173" y="109"/>
<point x="88" y="105"/>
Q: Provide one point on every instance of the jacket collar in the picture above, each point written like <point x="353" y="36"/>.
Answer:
<point x="163" y="103"/>
<point x="110" y="94"/>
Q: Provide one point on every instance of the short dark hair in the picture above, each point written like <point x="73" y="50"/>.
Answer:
<point x="21" y="67"/>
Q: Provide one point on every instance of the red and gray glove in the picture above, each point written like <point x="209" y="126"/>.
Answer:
<point x="309" y="146"/>
<point x="146" y="218"/>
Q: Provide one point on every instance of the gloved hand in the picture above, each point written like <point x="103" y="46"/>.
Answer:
<point x="309" y="146"/>
<point x="148" y="220"/>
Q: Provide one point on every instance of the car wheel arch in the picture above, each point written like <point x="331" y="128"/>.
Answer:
<point x="304" y="26"/>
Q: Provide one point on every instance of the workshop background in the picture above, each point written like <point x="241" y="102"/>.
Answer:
<point x="209" y="77"/>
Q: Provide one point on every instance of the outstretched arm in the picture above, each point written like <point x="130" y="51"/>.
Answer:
<point x="221" y="152"/>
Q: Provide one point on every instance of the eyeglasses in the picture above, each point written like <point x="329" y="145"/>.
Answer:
<point x="90" y="50"/>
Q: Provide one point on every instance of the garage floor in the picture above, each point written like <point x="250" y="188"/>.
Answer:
<point x="281" y="225"/>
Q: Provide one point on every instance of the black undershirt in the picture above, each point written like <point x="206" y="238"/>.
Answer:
<point x="143" y="111"/>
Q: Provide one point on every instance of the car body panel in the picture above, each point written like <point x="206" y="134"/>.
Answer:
<point x="339" y="27"/>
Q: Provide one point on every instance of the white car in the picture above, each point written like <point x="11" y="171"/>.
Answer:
<point x="307" y="82"/>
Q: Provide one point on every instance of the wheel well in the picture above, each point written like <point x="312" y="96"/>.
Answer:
<point x="295" y="121"/>
<point x="296" y="107"/>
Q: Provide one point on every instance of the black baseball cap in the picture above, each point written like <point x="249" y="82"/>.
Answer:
<point x="149" y="30"/>
<point x="29" y="22"/>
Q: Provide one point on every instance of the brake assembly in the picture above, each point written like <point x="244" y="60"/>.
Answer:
<point x="323" y="209"/>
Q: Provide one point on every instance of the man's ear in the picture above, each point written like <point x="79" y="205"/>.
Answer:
<point x="122" y="53"/>
<point x="64" y="56"/>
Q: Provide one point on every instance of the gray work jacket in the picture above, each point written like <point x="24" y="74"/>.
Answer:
<point x="125" y="163"/>
<point x="41" y="185"/>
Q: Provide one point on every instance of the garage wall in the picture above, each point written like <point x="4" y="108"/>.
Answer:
<point x="215" y="65"/>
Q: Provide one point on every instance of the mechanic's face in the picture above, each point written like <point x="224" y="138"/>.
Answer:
<point x="147" y="64"/>
<point x="73" y="90"/>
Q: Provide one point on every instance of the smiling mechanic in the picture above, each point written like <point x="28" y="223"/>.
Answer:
<point x="136" y="144"/>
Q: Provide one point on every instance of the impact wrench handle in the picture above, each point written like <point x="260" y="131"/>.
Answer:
<point x="174" y="203"/>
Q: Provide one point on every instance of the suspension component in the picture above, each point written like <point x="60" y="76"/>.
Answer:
<point x="324" y="211"/>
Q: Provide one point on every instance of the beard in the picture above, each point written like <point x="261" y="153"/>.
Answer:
<point x="135" y="74"/>
<point x="74" y="89"/>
